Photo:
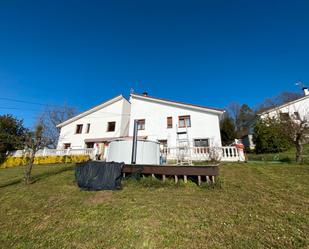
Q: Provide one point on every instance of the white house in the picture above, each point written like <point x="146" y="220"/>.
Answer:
<point x="298" y="108"/>
<point x="99" y="125"/>
<point x="158" y="120"/>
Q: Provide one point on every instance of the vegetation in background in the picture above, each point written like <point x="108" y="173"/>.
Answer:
<point x="10" y="161"/>
<point x="51" y="117"/>
<point x="227" y="130"/>
<point x="269" y="136"/>
<point x="12" y="134"/>
<point x="258" y="206"/>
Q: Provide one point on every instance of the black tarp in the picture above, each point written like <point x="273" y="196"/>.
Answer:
<point x="95" y="175"/>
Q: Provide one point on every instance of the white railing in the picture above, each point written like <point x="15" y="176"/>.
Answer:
<point x="55" y="152"/>
<point x="226" y="154"/>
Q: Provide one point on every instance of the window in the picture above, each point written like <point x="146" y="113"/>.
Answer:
<point x="163" y="142"/>
<point x="79" y="129"/>
<point x="111" y="126"/>
<point x="284" y="116"/>
<point x="66" y="145"/>
<point x="141" y="124"/>
<point x="184" y="121"/>
<point x="296" y="115"/>
<point x="169" y="122"/>
<point x="88" y="128"/>
<point x="90" y="145"/>
<point x="201" y="142"/>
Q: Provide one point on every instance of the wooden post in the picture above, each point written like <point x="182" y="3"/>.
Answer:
<point x="185" y="179"/>
<point x="199" y="180"/>
<point x="176" y="179"/>
<point x="163" y="178"/>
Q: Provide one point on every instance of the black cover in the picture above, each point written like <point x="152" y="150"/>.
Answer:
<point x="99" y="175"/>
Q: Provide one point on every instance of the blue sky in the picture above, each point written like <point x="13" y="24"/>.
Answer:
<point x="203" y="52"/>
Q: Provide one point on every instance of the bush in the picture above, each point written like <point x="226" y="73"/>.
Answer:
<point x="21" y="161"/>
<point x="269" y="136"/>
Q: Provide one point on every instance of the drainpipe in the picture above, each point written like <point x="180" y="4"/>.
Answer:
<point x="134" y="142"/>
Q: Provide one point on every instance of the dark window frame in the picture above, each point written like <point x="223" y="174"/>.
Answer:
<point x="110" y="125"/>
<point x="199" y="140"/>
<point x="169" y="122"/>
<point x="184" y="117"/>
<point x="66" y="145"/>
<point x="141" y="124"/>
<point x="88" y="128"/>
<point x="79" y="129"/>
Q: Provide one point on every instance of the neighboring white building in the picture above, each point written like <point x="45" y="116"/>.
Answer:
<point x="159" y="120"/>
<point x="298" y="108"/>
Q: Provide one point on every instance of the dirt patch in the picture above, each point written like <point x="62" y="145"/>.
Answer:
<point x="99" y="197"/>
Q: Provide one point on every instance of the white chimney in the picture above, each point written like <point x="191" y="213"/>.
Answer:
<point x="306" y="91"/>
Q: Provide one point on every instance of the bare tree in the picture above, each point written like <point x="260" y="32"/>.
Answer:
<point x="297" y="128"/>
<point x="51" y="117"/>
<point x="234" y="109"/>
<point x="35" y="140"/>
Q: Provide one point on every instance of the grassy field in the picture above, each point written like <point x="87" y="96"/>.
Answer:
<point x="258" y="206"/>
<point x="286" y="156"/>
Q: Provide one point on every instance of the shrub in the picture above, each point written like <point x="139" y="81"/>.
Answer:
<point x="21" y="161"/>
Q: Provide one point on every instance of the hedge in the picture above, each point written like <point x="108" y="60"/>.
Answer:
<point x="21" y="161"/>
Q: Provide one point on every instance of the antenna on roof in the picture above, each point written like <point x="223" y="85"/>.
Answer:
<point x="303" y="87"/>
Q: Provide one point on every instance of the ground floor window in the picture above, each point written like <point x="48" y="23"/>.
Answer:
<point x="66" y="145"/>
<point x="201" y="142"/>
<point x="163" y="142"/>
<point x="141" y="124"/>
<point x="89" y="145"/>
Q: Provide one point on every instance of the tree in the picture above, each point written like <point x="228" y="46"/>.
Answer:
<point x="50" y="118"/>
<point x="227" y="130"/>
<point x="278" y="100"/>
<point x="245" y="118"/>
<point x="269" y="136"/>
<point x="297" y="128"/>
<point x="12" y="134"/>
<point x="233" y="110"/>
<point x="35" y="140"/>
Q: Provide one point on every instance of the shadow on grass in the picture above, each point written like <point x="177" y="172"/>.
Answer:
<point x="39" y="177"/>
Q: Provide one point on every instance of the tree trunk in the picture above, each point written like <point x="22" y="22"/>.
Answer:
<point x="299" y="151"/>
<point x="28" y="168"/>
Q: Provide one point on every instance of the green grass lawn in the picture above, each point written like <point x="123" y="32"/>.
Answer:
<point x="286" y="156"/>
<point x="258" y="206"/>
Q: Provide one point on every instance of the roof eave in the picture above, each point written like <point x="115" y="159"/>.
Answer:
<point x="91" y="110"/>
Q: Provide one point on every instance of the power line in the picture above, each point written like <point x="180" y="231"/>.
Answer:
<point x="21" y="109"/>
<point x="28" y="102"/>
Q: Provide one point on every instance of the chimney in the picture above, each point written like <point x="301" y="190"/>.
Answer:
<point x="146" y="94"/>
<point x="306" y="91"/>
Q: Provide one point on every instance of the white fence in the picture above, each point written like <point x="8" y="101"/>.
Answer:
<point x="226" y="154"/>
<point x="55" y="152"/>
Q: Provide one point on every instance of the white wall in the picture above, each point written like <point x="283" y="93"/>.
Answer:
<point x="118" y="111"/>
<point x="204" y="124"/>
<point x="301" y="106"/>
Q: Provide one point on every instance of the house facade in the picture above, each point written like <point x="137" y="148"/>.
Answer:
<point x="298" y="109"/>
<point x="158" y="120"/>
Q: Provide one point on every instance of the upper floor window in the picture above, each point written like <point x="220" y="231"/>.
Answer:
<point x="79" y="129"/>
<point x="201" y="142"/>
<point x="141" y="124"/>
<point x="184" y="121"/>
<point x="111" y="126"/>
<point x="88" y="128"/>
<point x="169" y="122"/>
